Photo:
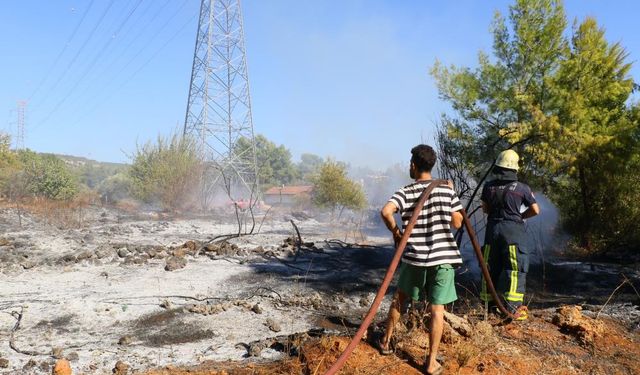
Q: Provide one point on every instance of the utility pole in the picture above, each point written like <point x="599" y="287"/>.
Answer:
<point x="218" y="112"/>
<point x="20" y="129"/>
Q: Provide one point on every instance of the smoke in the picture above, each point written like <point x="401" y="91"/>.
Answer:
<point x="546" y="238"/>
<point x="380" y="185"/>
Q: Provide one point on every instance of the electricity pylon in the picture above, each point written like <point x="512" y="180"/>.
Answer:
<point x="218" y="113"/>
<point x="20" y="130"/>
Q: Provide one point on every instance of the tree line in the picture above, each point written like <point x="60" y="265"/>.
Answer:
<point x="167" y="172"/>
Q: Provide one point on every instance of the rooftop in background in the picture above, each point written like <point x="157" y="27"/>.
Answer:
<point x="289" y="190"/>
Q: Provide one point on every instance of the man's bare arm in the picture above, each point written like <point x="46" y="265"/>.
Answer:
<point x="387" y="213"/>
<point x="456" y="219"/>
<point x="532" y="211"/>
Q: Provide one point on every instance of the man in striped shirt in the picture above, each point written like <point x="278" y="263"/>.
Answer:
<point x="431" y="252"/>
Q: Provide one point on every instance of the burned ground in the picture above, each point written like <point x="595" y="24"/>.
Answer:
<point x="99" y="293"/>
<point x="533" y="347"/>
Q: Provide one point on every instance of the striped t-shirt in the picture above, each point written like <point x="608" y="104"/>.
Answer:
<point x="431" y="242"/>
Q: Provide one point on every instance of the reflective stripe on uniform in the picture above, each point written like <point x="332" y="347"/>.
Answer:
<point x="514" y="297"/>
<point x="483" y="291"/>
<point x="512" y="294"/>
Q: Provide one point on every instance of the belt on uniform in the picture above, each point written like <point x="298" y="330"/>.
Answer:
<point x="500" y="219"/>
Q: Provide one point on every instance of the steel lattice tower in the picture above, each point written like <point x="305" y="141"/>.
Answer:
<point x="219" y="106"/>
<point x="22" y="106"/>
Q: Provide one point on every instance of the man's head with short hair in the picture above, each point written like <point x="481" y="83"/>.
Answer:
<point x="423" y="158"/>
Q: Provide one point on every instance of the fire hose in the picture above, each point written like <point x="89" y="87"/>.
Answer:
<point x="394" y="264"/>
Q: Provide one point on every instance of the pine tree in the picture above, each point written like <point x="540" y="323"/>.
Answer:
<point x="562" y="104"/>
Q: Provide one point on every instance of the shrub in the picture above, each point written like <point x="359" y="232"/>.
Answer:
<point x="47" y="176"/>
<point x="167" y="172"/>
<point x="115" y="188"/>
<point x="333" y="189"/>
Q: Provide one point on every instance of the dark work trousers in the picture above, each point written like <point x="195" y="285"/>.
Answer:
<point x="507" y="258"/>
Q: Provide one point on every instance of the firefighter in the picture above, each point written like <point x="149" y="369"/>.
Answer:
<point x="505" y="250"/>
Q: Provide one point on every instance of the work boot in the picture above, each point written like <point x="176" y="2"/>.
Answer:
<point x="521" y="313"/>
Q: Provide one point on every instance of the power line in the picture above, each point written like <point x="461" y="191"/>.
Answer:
<point x="75" y="57"/>
<point x="91" y="65"/>
<point x="64" y="49"/>
<point x="146" y="46"/>
<point x="143" y="28"/>
<point x="155" y="35"/>
<point x="135" y="38"/>
<point x="155" y="54"/>
<point x="140" y="68"/>
<point x="116" y="20"/>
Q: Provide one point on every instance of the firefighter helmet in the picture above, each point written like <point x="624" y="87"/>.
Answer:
<point x="508" y="159"/>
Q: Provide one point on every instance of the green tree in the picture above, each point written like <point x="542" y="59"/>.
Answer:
<point x="309" y="165"/>
<point x="500" y="93"/>
<point x="167" y="172"/>
<point x="274" y="162"/>
<point x="562" y="104"/>
<point x="7" y="157"/>
<point x="621" y="212"/>
<point x="47" y="176"/>
<point x="582" y="133"/>
<point x="9" y="163"/>
<point x="93" y="174"/>
<point x="334" y="190"/>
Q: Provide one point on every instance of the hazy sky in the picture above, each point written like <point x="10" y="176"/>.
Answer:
<point x="347" y="79"/>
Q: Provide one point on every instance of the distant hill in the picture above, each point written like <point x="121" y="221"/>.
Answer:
<point x="79" y="161"/>
<point x="91" y="172"/>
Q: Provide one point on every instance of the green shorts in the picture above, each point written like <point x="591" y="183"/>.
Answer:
<point x="438" y="282"/>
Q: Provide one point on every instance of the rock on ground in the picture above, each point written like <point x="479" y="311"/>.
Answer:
<point x="459" y="324"/>
<point x="121" y="368"/>
<point x="175" y="263"/>
<point x="571" y="320"/>
<point x="62" y="367"/>
<point x="273" y="325"/>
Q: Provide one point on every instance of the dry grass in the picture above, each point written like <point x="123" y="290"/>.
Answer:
<point x="533" y="347"/>
<point x="464" y="352"/>
<point x="62" y="214"/>
<point x="128" y="205"/>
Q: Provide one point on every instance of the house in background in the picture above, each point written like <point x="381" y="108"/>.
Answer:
<point x="288" y="195"/>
